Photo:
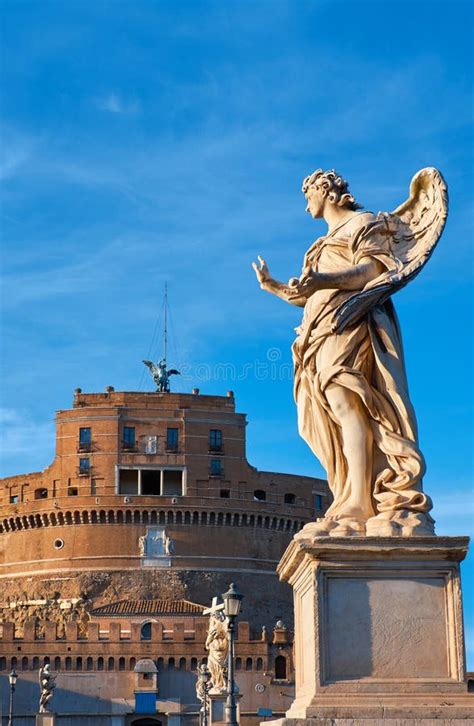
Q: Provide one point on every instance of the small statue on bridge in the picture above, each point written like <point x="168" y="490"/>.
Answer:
<point x="47" y="684"/>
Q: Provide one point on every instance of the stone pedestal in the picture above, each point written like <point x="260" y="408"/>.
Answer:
<point x="217" y="705"/>
<point x="45" y="719"/>
<point x="378" y="630"/>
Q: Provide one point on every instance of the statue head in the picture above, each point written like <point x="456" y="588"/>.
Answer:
<point x="327" y="185"/>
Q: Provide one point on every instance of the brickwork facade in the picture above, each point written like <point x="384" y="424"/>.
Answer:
<point x="150" y="495"/>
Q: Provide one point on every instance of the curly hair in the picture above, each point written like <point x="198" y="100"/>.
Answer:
<point x="336" y="187"/>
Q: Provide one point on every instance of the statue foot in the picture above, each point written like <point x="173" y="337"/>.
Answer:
<point x="348" y="527"/>
<point x="320" y="528"/>
<point x="400" y="523"/>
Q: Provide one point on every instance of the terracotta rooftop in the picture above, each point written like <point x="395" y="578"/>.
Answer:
<point x="149" y="607"/>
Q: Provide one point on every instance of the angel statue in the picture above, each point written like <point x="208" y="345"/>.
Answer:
<point x="350" y="384"/>
<point x="161" y="375"/>
<point x="217" y="644"/>
<point x="47" y="684"/>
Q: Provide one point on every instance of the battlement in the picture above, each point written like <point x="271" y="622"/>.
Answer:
<point x="155" y="399"/>
<point x="36" y="632"/>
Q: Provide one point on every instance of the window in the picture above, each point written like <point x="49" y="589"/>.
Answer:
<point x="128" y="481"/>
<point x="151" y="482"/>
<point x="289" y="498"/>
<point x="172" y="439"/>
<point x="145" y="632"/>
<point x="216" y="467"/>
<point x="259" y="495"/>
<point x="72" y="492"/>
<point x="225" y="493"/>
<point x="318" y="501"/>
<point x="84" y="466"/>
<point x="172" y="483"/>
<point x="128" y="437"/>
<point x="14" y="499"/>
<point x="280" y="667"/>
<point x="85" y="439"/>
<point x="41" y="493"/>
<point x="215" y="440"/>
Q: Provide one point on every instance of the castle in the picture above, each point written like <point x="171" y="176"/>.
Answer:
<point x="111" y="554"/>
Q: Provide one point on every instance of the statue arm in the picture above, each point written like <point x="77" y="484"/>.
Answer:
<point x="354" y="277"/>
<point x="290" y="292"/>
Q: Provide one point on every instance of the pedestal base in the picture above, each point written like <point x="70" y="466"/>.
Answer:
<point x="217" y="707"/>
<point x="378" y="630"/>
<point x="46" y="719"/>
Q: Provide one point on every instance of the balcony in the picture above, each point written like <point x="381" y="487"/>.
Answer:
<point x="84" y="447"/>
<point x="84" y="471"/>
<point x="130" y="447"/>
<point x="172" y="448"/>
<point x="216" y="449"/>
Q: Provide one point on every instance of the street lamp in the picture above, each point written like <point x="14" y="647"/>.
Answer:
<point x="204" y="678"/>
<point x="232" y="604"/>
<point x="12" y="678"/>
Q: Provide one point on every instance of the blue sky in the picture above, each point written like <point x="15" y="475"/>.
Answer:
<point x="147" y="142"/>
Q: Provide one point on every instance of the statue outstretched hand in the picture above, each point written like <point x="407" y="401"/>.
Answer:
<point x="262" y="272"/>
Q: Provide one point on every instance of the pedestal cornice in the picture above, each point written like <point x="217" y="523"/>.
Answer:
<point x="331" y="549"/>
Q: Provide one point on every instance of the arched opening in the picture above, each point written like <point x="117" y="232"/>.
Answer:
<point x="57" y="663"/>
<point x="248" y="664"/>
<point x="132" y="664"/>
<point x="111" y="516"/>
<point x="89" y="664"/>
<point x="137" y="517"/>
<point x="102" y="518"/>
<point x="119" y="517"/>
<point x="79" y="663"/>
<point x="68" y="663"/>
<point x="182" y="664"/>
<point x="145" y="631"/>
<point x="238" y="664"/>
<point x="289" y="498"/>
<point x="194" y="664"/>
<point x="128" y="517"/>
<point x="35" y="664"/>
<point x="280" y="667"/>
<point x="24" y="663"/>
<point x="259" y="664"/>
<point x="111" y="664"/>
<point x="121" y="664"/>
<point x="259" y="495"/>
<point x="100" y="664"/>
<point x="41" y="493"/>
<point x="145" y="517"/>
<point x="160" y="664"/>
<point x="171" y="663"/>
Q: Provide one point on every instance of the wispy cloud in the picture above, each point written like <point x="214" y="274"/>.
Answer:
<point x="115" y="103"/>
<point x="26" y="439"/>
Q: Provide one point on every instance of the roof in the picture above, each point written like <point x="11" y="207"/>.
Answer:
<point x="149" y="607"/>
<point x="145" y="665"/>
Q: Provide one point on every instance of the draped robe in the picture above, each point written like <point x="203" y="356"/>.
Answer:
<point x="366" y="358"/>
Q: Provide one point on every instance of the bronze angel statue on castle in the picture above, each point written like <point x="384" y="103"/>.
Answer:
<point x="350" y="384"/>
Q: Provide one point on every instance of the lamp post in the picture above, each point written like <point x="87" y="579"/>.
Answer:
<point x="12" y="678"/>
<point x="232" y="604"/>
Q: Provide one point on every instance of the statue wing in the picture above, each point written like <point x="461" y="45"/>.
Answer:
<point x="415" y="227"/>
<point x="173" y="372"/>
<point x="148" y="363"/>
